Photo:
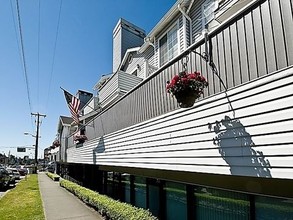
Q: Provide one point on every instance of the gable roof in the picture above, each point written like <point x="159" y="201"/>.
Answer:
<point x="127" y="53"/>
<point x="104" y="78"/>
<point x="66" y="120"/>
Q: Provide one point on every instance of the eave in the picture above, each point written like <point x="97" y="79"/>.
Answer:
<point x="162" y="23"/>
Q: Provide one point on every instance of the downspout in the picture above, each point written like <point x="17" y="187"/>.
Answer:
<point x="190" y="5"/>
<point x="148" y="40"/>
<point x="189" y="19"/>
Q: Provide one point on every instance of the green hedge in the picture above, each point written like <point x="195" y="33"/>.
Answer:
<point x="108" y="207"/>
<point x="53" y="176"/>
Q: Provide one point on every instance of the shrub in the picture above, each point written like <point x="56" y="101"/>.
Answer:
<point x="53" y="176"/>
<point x="108" y="207"/>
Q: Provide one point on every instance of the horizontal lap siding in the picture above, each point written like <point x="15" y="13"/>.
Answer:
<point x="256" y="143"/>
<point x="109" y="90"/>
<point x="127" y="81"/>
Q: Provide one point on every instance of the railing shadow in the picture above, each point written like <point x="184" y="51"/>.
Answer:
<point x="99" y="149"/>
<point x="236" y="148"/>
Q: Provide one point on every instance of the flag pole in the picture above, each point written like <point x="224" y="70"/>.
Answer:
<point x="85" y="104"/>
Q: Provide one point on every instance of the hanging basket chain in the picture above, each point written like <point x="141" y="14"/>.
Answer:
<point x="212" y="65"/>
<point x="184" y="64"/>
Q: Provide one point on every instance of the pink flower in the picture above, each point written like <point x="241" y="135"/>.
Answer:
<point x="197" y="73"/>
<point x="202" y="79"/>
<point x="184" y="81"/>
<point x="191" y="76"/>
<point x="176" y="78"/>
<point x="193" y="82"/>
<point x="173" y="82"/>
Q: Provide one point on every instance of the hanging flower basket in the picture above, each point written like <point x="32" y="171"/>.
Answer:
<point x="56" y="143"/>
<point x="187" y="87"/>
<point x="79" y="139"/>
<point x="186" y="98"/>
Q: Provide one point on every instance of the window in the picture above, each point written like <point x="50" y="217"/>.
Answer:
<point x="134" y="73"/>
<point x="273" y="208"/>
<point x="140" y="191"/>
<point x="176" y="202"/>
<point x="168" y="45"/>
<point x="217" y="204"/>
<point x="130" y="58"/>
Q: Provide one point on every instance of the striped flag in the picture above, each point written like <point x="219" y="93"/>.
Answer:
<point x="73" y="105"/>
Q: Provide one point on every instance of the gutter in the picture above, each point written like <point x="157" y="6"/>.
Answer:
<point x="148" y="42"/>
<point x="161" y="24"/>
<point x="190" y="5"/>
<point x="165" y="20"/>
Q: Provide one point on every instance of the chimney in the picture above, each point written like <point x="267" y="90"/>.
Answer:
<point x="84" y="97"/>
<point x="125" y="35"/>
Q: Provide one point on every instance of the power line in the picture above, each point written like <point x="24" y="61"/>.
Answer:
<point x="39" y="27"/>
<point x="26" y="146"/>
<point x="12" y="12"/>
<point x="18" y="46"/>
<point x="54" y="52"/>
<point x="23" y="57"/>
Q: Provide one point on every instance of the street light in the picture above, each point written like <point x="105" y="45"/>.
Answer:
<point x="27" y="133"/>
<point x="36" y="149"/>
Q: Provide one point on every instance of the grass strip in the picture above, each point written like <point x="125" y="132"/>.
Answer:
<point x="23" y="202"/>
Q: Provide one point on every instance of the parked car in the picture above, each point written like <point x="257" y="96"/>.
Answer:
<point x="51" y="167"/>
<point x="22" y="171"/>
<point x="4" y="177"/>
<point x="14" y="172"/>
<point x="12" y="177"/>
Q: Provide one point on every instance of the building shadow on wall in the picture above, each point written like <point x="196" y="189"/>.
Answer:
<point x="100" y="148"/>
<point x="236" y="148"/>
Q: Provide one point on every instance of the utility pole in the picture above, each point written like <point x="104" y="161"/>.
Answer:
<point x="38" y="115"/>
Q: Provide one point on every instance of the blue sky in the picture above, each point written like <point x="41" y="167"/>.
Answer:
<point x="82" y="54"/>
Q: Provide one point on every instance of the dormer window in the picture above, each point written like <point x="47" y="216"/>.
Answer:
<point x="130" y="58"/>
<point x="168" y="45"/>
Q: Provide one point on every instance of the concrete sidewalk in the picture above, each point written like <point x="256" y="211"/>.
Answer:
<point x="60" y="204"/>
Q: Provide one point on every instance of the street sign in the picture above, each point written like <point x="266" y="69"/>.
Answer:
<point x="21" y="149"/>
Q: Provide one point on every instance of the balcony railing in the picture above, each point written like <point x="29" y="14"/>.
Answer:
<point x="117" y="86"/>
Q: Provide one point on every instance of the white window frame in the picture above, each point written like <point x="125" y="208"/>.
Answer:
<point x="178" y="42"/>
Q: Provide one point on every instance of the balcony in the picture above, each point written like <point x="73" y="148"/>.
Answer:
<point x="116" y="86"/>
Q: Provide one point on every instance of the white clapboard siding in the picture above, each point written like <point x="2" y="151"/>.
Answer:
<point x="119" y="84"/>
<point x="109" y="91"/>
<point x="127" y="81"/>
<point x="250" y="136"/>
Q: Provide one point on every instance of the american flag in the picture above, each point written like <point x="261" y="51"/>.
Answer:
<point x="73" y="104"/>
